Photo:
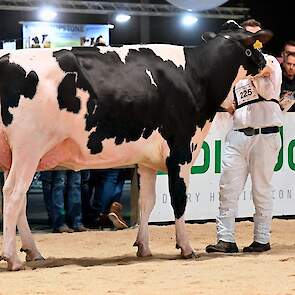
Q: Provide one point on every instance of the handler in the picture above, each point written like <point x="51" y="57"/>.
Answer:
<point x="251" y="147"/>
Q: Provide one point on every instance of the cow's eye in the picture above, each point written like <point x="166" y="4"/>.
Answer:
<point x="248" y="52"/>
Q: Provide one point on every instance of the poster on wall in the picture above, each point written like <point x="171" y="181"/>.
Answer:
<point x="55" y="35"/>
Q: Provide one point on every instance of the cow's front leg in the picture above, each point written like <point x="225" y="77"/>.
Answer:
<point x="147" y="197"/>
<point x="178" y="183"/>
<point x="28" y="243"/>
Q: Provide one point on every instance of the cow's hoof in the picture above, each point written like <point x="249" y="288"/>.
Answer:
<point x="191" y="254"/>
<point x="142" y="251"/>
<point x="15" y="266"/>
<point x="12" y="265"/>
<point x="32" y="257"/>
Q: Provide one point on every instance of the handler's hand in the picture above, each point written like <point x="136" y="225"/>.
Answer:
<point x="231" y="109"/>
<point x="265" y="72"/>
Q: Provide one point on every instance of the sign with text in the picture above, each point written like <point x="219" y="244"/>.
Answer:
<point x="55" y="35"/>
<point x="203" y="192"/>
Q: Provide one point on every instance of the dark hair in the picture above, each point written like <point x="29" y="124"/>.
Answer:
<point x="251" y="23"/>
<point x="289" y="42"/>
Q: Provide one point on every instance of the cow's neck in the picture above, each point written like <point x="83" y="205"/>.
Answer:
<point x="215" y="66"/>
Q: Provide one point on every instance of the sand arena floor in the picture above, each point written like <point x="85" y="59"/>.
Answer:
<point x="104" y="262"/>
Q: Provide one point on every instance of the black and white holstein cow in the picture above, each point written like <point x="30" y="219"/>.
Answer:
<point x="106" y="107"/>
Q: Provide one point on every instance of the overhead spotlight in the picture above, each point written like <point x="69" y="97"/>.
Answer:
<point x="47" y="14"/>
<point x="122" y="18"/>
<point x="189" y="20"/>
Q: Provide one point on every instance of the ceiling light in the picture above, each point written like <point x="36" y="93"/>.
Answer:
<point x="189" y="20"/>
<point x="122" y="18"/>
<point x="47" y="14"/>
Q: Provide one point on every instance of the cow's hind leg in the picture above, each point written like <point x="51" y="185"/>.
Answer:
<point x="14" y="191"/>
<point x="28" y="243"/>
<point x="147" y="197"/>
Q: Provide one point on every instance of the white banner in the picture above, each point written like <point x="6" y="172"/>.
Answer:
<point x="204" y="182"/>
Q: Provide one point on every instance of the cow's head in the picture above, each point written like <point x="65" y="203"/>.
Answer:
<point x="247" y="43"/>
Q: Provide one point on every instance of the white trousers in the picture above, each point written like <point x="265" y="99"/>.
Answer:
<point x="247" y="155"/>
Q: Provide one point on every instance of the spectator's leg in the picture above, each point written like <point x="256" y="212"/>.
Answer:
<point x="58" y="205"/>
<point x="73" y="195"/>
<point x="88" y="214"/>
<point x="119" y="186"/>
<point x="104" y="191"/>
<point x="46" y="178"/>
<point x="94" y="183"/>
<point x="116" y="208"/>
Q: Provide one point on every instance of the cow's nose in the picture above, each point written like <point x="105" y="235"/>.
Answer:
<point x="261" y="65"/>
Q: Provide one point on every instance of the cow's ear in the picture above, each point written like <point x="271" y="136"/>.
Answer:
<point x="208" y="36"/>
<point x="263" y="36"/>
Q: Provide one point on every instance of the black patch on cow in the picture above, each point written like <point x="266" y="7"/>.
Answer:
<point x="67" y="94"/>
<point x="66" y="60"/>
<point x="177" y="187"/>
<point x="30" y="85"/>
<point x="67" y="89"/>
<point x="74" y="79"/>
<point x="14" y="82"/>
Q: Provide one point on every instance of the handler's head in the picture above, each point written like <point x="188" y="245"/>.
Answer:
<point x="251" y="25"/>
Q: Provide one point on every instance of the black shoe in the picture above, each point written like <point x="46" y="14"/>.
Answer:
<point x="224" y="247"/>
<point x="257" y="247"/>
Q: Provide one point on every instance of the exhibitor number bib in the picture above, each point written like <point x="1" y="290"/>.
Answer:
<point x="245" y="92"/>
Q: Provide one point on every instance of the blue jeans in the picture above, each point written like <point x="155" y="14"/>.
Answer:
<point x="62" y="195"/>
<point x="108" y="186"/>
<point x="46" y="178"/>
<point x="88" y="214"/>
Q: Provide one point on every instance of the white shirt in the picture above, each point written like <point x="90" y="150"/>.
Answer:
<point x="262" y="113"/>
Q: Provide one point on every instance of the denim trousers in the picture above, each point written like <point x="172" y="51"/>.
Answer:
<point x="108" y="186"/>
<point x="88" y="213"/>
<point x="62" y="196"/>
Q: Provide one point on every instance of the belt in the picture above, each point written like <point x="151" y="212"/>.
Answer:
<point x="249" y="131"/>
